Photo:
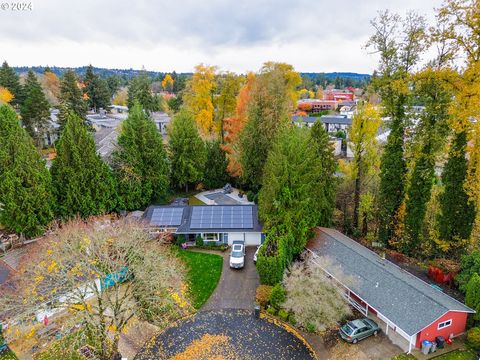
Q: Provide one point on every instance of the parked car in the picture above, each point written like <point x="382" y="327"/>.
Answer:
<point x="256" y="253"/>
<point x="237" y="255"/>
<point x="359" y="329"/>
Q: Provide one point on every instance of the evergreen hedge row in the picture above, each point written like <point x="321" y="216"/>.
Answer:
<point x="274" y="257"/>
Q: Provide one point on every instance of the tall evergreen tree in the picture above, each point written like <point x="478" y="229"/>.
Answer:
<point x="35" y="110"/>
<point x="139" y="90"/>
<point x="268" y="112"/>
<point x="140" y="161"/>
<point x="322" y="147"/>
<point x="71" y="98"/>
<point x="457" y="212"/>
<point x="187" y="151"/>
<point x="292" y="195"/>
<point x="97" y="90"/>
<point x="26" y="201"/>
<point x="434" y="90"/>
<point x="472" y="295"/>
<point x="215" y="173"/>
<point x="83" y="183"/>
<point x="10" y="80"/>
<point x="399" y="43"/>
<point x="113" y="82"/>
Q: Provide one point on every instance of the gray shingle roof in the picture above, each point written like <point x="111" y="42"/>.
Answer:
<point x="410" y="303"/>
<point x="326" y="119"/>
<point x="186" y="226"/>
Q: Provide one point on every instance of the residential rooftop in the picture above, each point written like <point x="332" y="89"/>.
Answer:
<point x="407" y="301"/>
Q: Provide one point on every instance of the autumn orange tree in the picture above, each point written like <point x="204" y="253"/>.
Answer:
<point x="198" y="99"/>
<point x="102" y="275"/>
<point x="232" y="127"/>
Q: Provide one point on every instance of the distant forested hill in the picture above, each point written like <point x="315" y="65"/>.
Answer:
<point x="129" y="73"/>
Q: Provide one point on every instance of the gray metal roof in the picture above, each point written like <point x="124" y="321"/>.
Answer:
<point x="407" y="301"/>
<point x="210" y="218"/>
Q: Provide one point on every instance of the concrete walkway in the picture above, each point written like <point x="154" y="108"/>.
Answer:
<point x="236" y="287"/>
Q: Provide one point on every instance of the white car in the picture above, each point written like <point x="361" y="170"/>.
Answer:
<point x="256" y="253"/>
<point x="237" y="256"/>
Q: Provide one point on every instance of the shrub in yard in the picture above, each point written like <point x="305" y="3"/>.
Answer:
<point x="310" y="328"/>
<point x="473" y="338"/>
<point x="470" y="265"/>
<point x="472" y="297"/>
<point x="277" y="296"/>
<point x="199" y="241"/>
<point x="263" y="295"/>
<point x="252" y="196"/>
<point x="282" y="314"/>
<point x="272" y="311"/>
<point x="291" y="319"/>
<point x="180" y="239"/>
<point x="315" y="299"/>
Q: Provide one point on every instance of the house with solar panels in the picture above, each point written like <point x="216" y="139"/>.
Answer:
<point x="221" y="224"/>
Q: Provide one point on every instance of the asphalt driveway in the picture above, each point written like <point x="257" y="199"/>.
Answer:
<point x="225" y="334"/>
<point x="236" y="288"/>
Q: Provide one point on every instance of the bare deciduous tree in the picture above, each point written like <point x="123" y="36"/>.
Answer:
<point x="104" y="274"/>
<point x="313" y="297"/>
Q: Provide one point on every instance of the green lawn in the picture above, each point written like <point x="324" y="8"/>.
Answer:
<point x="454" y="355"/>
<point x="204" y="271"/>
<point x="403" y="357"/>
<point x="459" y="355"/>
<point x="8" y="356"/>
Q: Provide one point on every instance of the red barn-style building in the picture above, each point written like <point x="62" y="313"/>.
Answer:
<point x="408" y="309"/>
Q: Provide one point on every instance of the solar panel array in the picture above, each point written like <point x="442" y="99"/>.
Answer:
<point x="167" y="216"/>
<point x="221" y="217"/>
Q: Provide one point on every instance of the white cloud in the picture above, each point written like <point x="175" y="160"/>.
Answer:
<point x="166" y="35"/>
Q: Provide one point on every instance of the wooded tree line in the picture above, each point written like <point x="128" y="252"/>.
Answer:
<point x="230" y="128"/>
<point x="418" y="193"/>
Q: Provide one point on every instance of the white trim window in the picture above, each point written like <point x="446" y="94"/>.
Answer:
<point x="444" y="324"/>
<point x="210" y="236"/>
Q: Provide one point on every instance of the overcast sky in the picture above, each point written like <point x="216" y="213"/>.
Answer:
<point x="314" y="35"/>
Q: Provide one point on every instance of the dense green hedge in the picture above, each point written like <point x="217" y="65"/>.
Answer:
<point x="274" y="257"/>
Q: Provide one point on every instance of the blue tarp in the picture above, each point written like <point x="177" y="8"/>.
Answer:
<point x="116" y="277"/>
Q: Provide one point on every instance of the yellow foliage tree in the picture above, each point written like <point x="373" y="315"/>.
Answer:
<point x="363" y="142"/>
<point x="470" y="99"/>
<point x="291" y="77"/>
<point x="120" y="97"/>
<point x="306" y="94"/>
<point x="198" y="99"/>
<point x="5" y="95"/>
<point x="167" y="83"/>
